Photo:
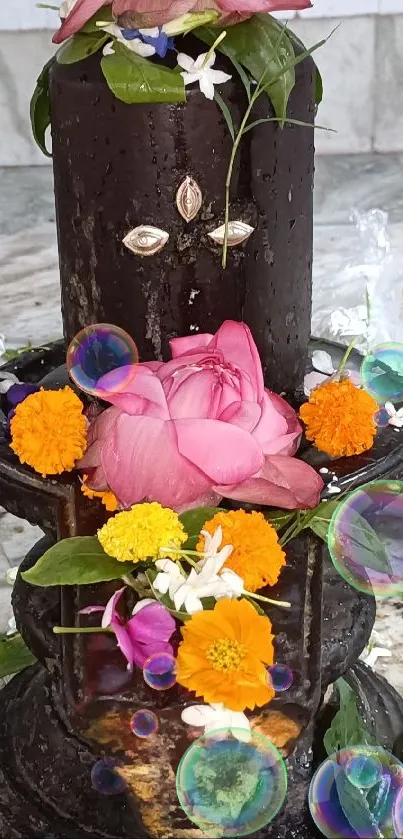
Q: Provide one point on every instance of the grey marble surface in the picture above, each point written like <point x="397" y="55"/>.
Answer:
<point x="30" y="304"/>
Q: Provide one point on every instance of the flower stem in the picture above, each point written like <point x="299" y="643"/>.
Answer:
<point x="134" y="584"/>
<point x="212" y="49"/>
<point x="284" y="603"/>
<point x="183" y="553"/>
<point x="293" y="530"/>
<point x="346" y="356"/>
<point x="79" y="630"/>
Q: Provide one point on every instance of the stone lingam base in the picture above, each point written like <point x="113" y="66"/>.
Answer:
<point x="72" y="708"/>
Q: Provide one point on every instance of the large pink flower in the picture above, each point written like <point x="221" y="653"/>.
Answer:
<point x="200" y="426"/>
<point x="151" y="13"/>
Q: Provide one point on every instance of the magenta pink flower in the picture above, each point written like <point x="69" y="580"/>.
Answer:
<point x="151" y="13"/>
<point x="199" y="427"/>
<point x="143" y="635"/>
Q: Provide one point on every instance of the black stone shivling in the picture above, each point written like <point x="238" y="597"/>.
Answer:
<point x="117" y="167"/>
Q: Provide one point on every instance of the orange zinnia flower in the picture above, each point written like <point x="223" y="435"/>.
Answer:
<point x="225" y="653"/>
<point x="257" y="556"/>
<point x="339" y="418"/>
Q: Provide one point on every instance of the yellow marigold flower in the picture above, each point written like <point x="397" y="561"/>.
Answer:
<point x="225" y="653"/>
<point x="257" y="556"/>
<point x="339" y="418"/>
<point x="141" y="532"/>
<point x="49" y="431"/>
<point x="107" y="497"/>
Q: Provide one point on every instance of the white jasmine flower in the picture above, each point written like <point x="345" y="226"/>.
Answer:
<point x="216" y="717"/>
<point x="11" y="575"/>
<point x="395" y="417"/>
<point x="11" y="626"/>
<point x="201" y="71"/>
<point x="66" y="7"/>
<point x="323" y="370"/>
<point x="136" y="45"/>
<point x="170" y="577"/>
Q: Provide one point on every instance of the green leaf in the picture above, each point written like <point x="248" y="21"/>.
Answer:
<point x="347" y="728"/>
<point x="76" y="561"/>
<point x="243" y="76"/>
<point x="194" y="521"/>
<point x="226" y="113"/>
<point x="261" y="45"/>
<point x="288" y="121"/>
<point x="14" y="655"/>
<point x="321" y="518"/>
<point x="135" y="79"/>
<point x="40" y="108"/>
<point x="278" y="518"/>
<point x="318" y="78"/>
<point x="80" y="47"/>
<point x="363" y="541"/>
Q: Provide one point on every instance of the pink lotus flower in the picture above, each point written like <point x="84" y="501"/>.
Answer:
<point x="200" y="427"/>
<point x="143" y="635"/>
<point x="151" y="13"/>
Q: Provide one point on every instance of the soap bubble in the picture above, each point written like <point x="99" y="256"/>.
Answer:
<point x="344" y="810"/>
<point x="106" y="779"/>
<point x="382" y="373"/>
<point x="144" y="723"/>
<point x="279" y="677"/>
<point x="231" y="788"/>
<point x="382" y="418"/>
<point x="398" y="814"/>
<point x="102" y="358"/>
<point x="160" y="671"/>
<point x="363" y="770"/>
<point x="365" y="538"/>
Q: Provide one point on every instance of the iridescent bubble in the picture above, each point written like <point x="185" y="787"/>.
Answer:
<point x="160" y="671"/>
<point x="341" y="810"/>
<point x="280" y="677"/>
<point x="363" y="770"/>
<point x="105" y="778"/>
<point x="398" y="814"/>
<point x="231" y="788"/>
<point x="144" y="723"/>
<point x="365" y="538"/>
<point x="382" y="418"/>
<point x="382" y="373"/>
<point x="102" y="358"/>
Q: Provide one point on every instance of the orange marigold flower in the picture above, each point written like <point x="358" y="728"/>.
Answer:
<point x="49" y="431"/>
<point x="339" y="418"/>
<point x="225" y="653"/>
<point x="107" y="497"/>
<point x="257" y="556"/>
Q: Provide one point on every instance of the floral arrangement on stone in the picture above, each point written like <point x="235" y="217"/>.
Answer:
<point x="150" y="54"/>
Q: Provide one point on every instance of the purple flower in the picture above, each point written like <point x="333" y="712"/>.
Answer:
<point x="156" y="38"/>
<point x="146" y="633"/>
<point x="14" y="396"/>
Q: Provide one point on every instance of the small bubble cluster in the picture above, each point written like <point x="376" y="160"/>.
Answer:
<point x="102" y="358"/>
<point x="229" y="787"/>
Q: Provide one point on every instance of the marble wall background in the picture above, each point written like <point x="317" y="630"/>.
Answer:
<point x="361" y="64"/>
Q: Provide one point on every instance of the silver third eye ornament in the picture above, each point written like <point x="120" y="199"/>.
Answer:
<point x="146" y="240"/>
<point x="189" y="199"/>
<point x="238" y="232"/>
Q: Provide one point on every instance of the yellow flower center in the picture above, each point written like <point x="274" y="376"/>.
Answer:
<point x="226" y="655"/>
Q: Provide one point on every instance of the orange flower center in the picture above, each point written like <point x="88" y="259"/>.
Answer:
<point x="226" y="655"/>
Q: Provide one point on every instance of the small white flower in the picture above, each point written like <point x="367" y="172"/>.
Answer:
<point x="66" y="7"/>
<point x="170" y="577"/>
<point x="11" y="626"/>
<point x="199" y="71"/>
<point x="136" y="45"/>
<point x="216" y="717"/>
<point x="395" y="417"/>
<point x="11" y="575"/>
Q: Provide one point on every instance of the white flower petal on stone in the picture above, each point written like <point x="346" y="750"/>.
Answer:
<point x="395" y="417"/>
<point x="217" y="718"/>
<point x="108" y="49"/>
<point x="201" y="71"/>
<point x="322" y="362"/>
<point x="11" y="626"/>
<point x="11" y="575"/>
